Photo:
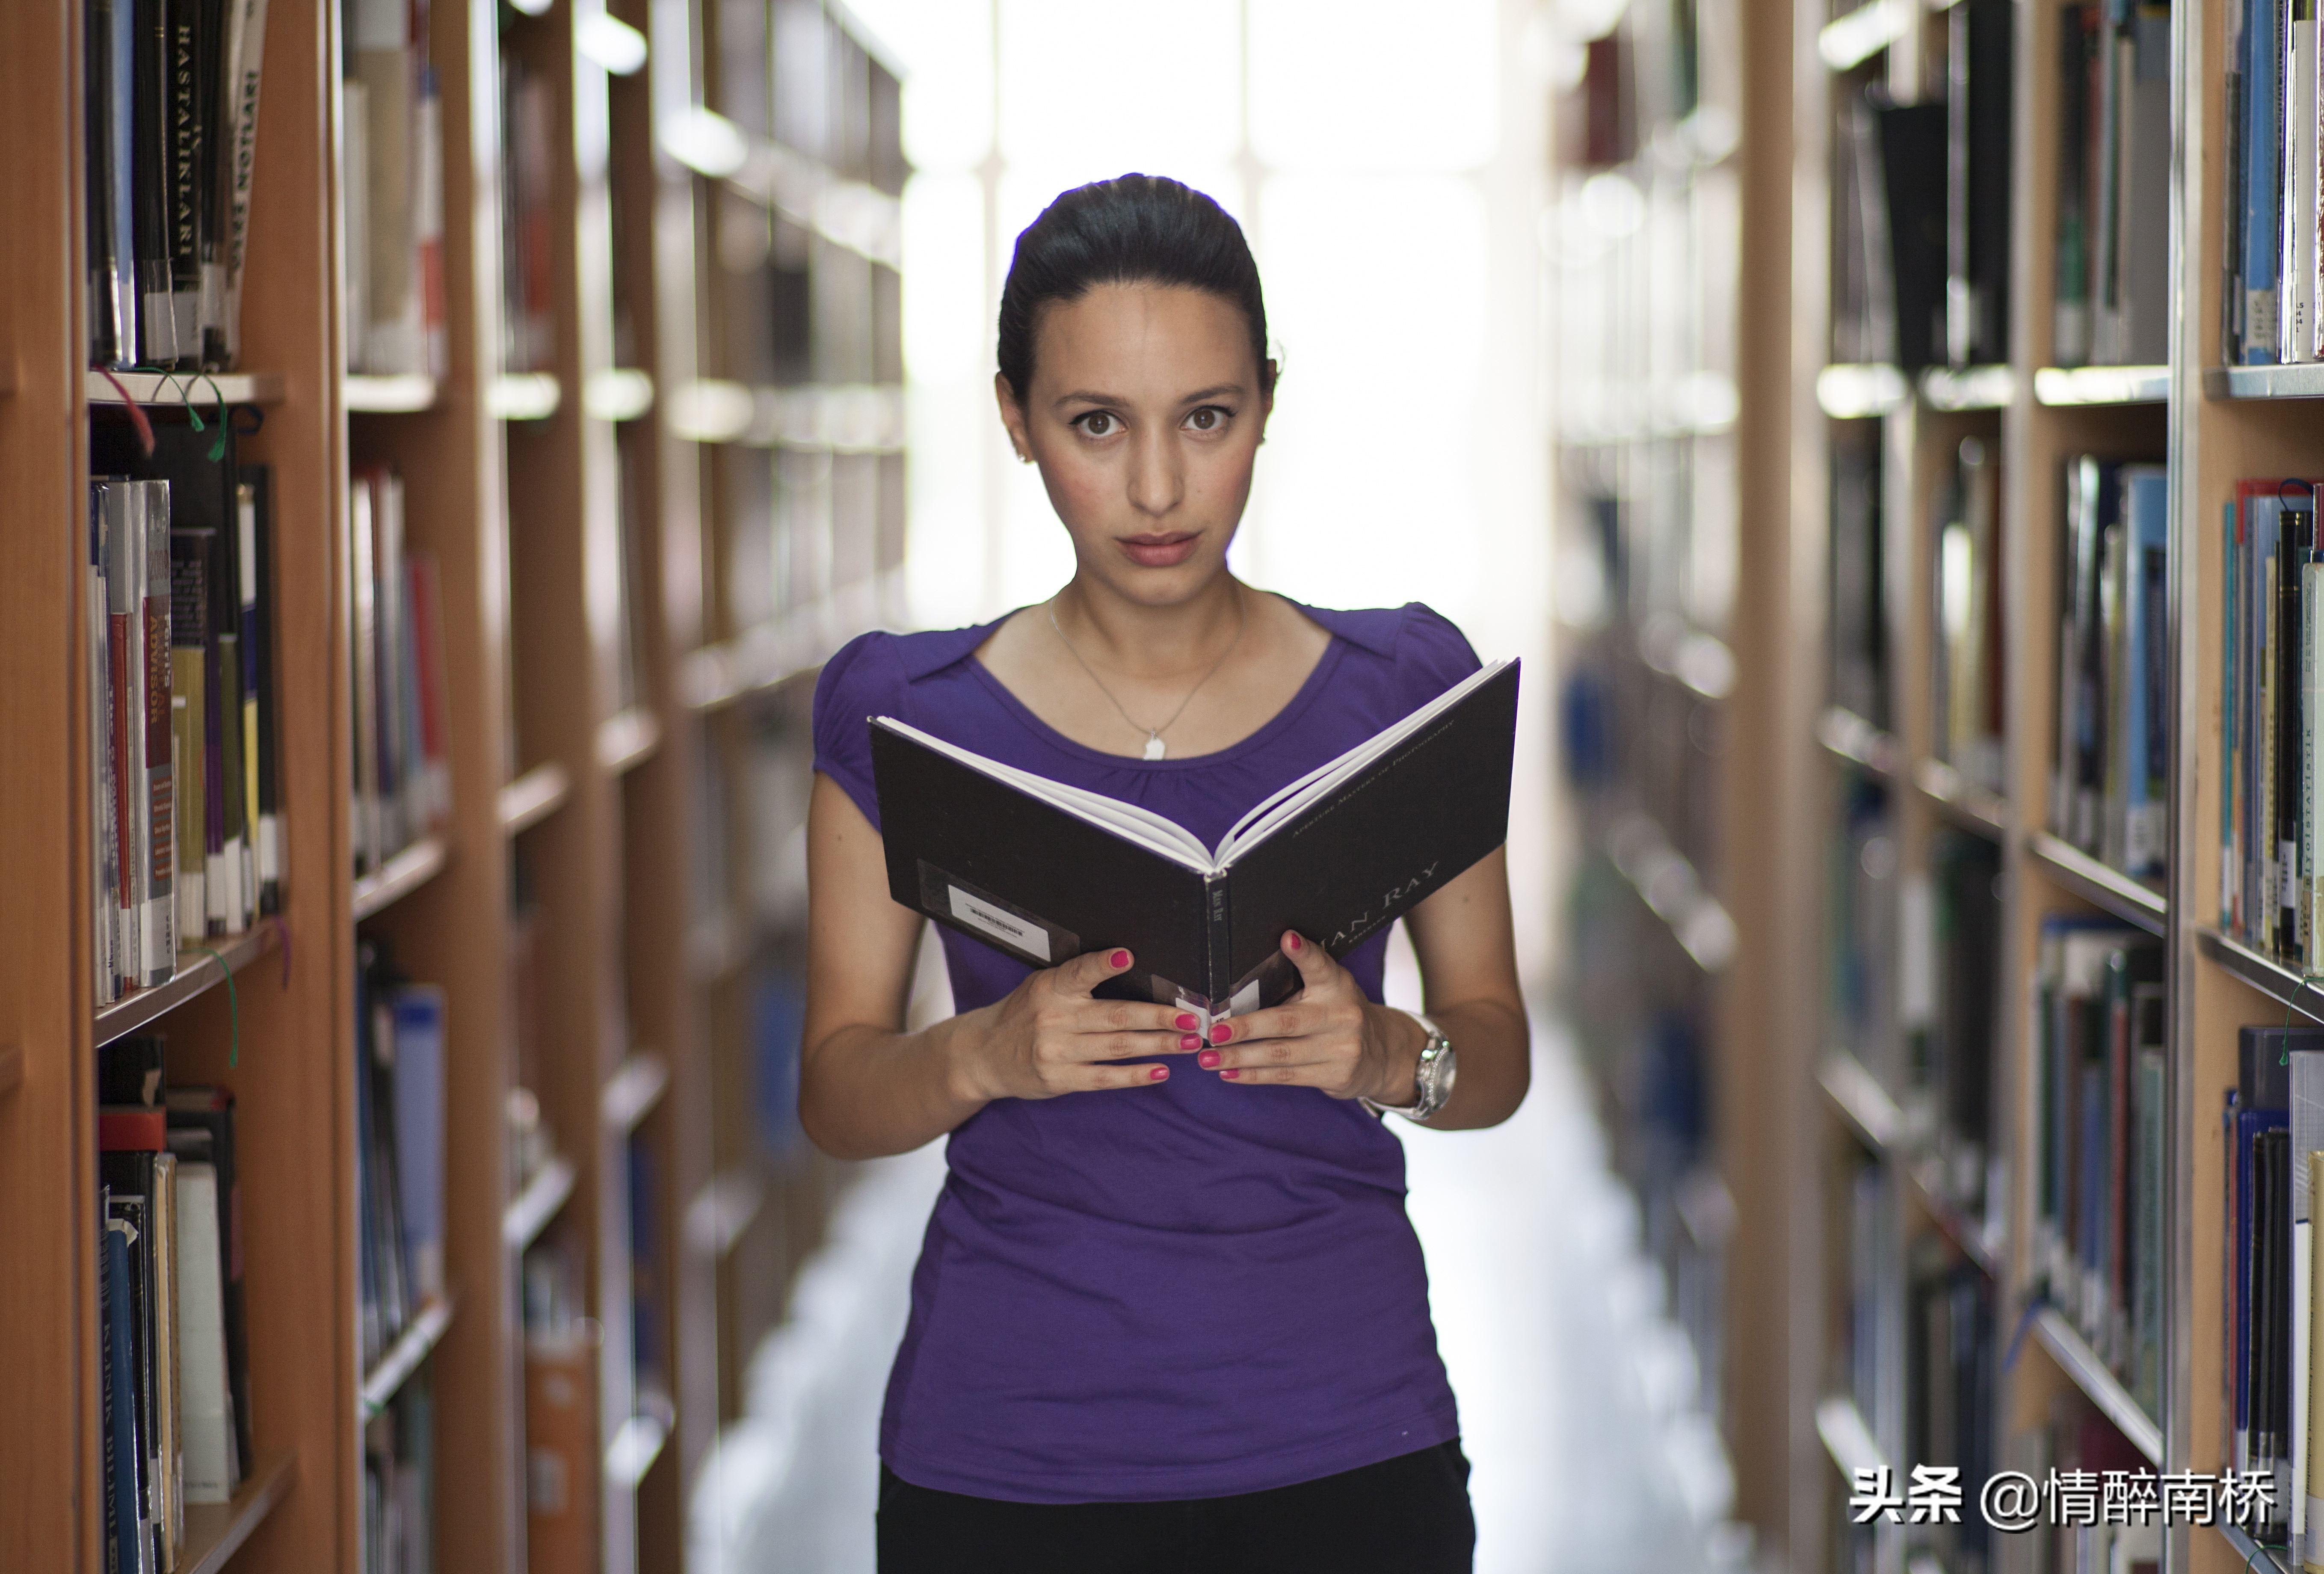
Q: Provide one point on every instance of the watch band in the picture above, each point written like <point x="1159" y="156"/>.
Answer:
<point x="1431" y="1077"/>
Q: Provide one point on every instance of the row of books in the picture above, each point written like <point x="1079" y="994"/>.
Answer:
<point x="1952" y="1365"/>
<point x="1858" y="654"/>
<point x="398" y="1148"/>
<point x="1873" y="1303"/>
<point x="2272" y="578"/>
<point x="2100" y="1094"/>
<point x="171" y="95"/>
<point x="1921" y="209"/>
<point x="2110" y="783"/>
<point x="2111" y="304"/>
<point x="2272" y="1126"/>
<point x="184" y="784"/>
<point x="391" y="178"/>
<point x="1949" y="1001"/>
<point x="1968" y="660"/>
<point x="173" y="1368"/>
<point x="402" y="762"/>
<point x="2274" y="298"/>
<point x="560" y="1405"/>
<point x="399" y="1483"/>
<point x="528" y="227"/>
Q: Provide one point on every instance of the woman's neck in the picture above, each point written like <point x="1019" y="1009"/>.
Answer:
<point x="1152" y="643"/>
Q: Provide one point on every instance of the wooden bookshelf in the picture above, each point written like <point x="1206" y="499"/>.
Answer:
<point x="1800" y="401"/>
<point x="548" y="499"/>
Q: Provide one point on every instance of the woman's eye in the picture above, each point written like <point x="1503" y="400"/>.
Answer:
<point x="1098" y="423"/>
<point x="1207" y="418"/>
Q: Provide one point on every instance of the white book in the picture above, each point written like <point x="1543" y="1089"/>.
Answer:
<point x="244" y="54"/>
<point x="2296" y="321"/>
<point x="2309" y="1506"/>
<point x="2294" y="1471"/>
<point x="205" y="1398"/>
<point x="103" y="864"/>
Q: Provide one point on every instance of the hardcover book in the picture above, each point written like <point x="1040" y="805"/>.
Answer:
<point x="1045" y="871"/>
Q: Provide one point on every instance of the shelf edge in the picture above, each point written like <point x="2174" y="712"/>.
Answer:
<point x="399" y="877"/>
<point x="2264" y="974"/>
<point x="2104" y="1389"/>
<point x="632" y="1091"/>
<point x="402" y="1358"/>
<point x="2095" y="883"/>
<point x="1857" y="1095"/>
<point x="1846" y="1439"/>
<point x="533" y="797"/>
<point x="266" y="1487"/>
<point x="196" y="973"/>
<point x="1971" y="806"/>
<point x="529" y="1211"/>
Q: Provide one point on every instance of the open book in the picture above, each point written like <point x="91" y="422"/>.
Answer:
<point x="1045" y="871"/>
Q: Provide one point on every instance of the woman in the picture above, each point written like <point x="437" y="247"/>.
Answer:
<point x="1169" y="1313"/>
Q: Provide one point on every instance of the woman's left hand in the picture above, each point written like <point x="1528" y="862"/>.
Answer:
<point x="1328" y="1036"/>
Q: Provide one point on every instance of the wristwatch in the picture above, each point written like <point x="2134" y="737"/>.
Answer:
<point x="1434" y="1076"/>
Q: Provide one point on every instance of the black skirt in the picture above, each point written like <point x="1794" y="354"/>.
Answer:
<point x="1406" y="1516"/>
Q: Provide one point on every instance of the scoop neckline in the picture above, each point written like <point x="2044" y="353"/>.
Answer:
<point x="1258" y="737"/>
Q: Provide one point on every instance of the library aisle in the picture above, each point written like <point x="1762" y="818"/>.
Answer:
<point x="1577" y="1392"/>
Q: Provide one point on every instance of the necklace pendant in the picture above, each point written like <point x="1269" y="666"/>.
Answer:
<point x="1155" y="748"/>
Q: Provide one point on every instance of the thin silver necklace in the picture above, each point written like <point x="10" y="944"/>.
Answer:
<point x="1155" y="748"/>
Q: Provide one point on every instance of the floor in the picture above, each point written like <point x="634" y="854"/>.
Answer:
<point x="1578" y="1397"/>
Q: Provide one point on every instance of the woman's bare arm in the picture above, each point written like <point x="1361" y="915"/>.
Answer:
<point x="868" y="1089"/>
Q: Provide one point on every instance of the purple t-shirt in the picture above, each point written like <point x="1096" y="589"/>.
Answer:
<point x="1188" y="1291"/>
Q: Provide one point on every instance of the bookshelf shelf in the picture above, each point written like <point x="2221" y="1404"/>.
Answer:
<point x="632" y="1091"/>
<point x="199" y="389"/>
<point x="1671" y="890"/>
<point x="722" y="1211"/>
<point x="861" y="419"/>
<point x="627" y="740"/>
<point x="1950" y="389"/>
<point x="847" y="213"/>
<point x="399" y="877"/>
<point x="2081" y="1365"/>
<point x="2094" y="883"/>
<point x="1849" y="737"/>
<point x="1861" y="391"/>
<point x="618" y="394"/>
<point x="533" y="797"/>
<point x="2066" y="386"/>
<point x="1846" y="1439"/>
<point x="766" y="658"/>
<point x="198" y="972"/>
<point x="214" y="1532"/>
<point x="530" y="1212"/>
<point x="1961" y="800"/>
<point x="403" y="1357"/>
<point x="2264" y="974"/>
<point x="1986" y="1250"/>
<point x="2255" y="1558"/>
<point x="1857" y="1096"/>
<point x="714" y="947"/>
<point x="523" y="396"/>
<point x="1848" y="41"/>
<point x="372" y="394"/>
<point x="2304" y="381"/>
<point x="1700" y="662"/>
<point x="636" y="1444"/>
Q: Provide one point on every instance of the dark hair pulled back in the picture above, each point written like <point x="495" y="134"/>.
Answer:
<point x="1133" y="229"/>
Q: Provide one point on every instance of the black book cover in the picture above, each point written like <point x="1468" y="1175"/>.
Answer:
<point x="128" y="1176"/>
<point x="1044" y="884"/>
<point x="182" y="168"/>
<point x="1912" y="179"/>
<point x="129" y="1071"/>
<point x="2293" y="546"/>
<point x="109" y="59"/>
<point x="148" y="176"/>
<point x="1978" y="173"/>
<point x="201" y="1129"/>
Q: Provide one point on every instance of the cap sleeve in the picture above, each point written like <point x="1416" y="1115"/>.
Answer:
<point x="864" y="680"/>
<point x="1433" y="655"/>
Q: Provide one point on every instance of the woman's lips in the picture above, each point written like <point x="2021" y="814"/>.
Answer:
<point x="1160" y="551"/>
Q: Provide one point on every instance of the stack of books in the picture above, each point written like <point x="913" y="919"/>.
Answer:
<point x="2098" y="1133"/>
<point x="2112" y="301"/>
<point x="171" y="99"/>
<point x="400" y="1149"/>
<point x="392" y="178"/>
<point x="403" y="786"/>
<point x="173" y="1341"/>
<point x="2274" y="302"/>
<point x="185" y="798"/>
<point x="2109" y="785"/>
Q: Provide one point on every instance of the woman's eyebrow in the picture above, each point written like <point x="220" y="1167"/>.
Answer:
<point x="1199" y="394"/>
<point x="1082" y="396"/>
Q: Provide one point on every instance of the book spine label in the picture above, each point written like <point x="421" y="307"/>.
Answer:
<point x="246" y="48"/>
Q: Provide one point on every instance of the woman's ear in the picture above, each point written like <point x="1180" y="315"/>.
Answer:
<point x="1013" y="417"/>
<point x="1266" y="399"/>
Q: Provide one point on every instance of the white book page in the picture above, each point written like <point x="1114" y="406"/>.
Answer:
<point x="1129" y="821"/>
<point x="1272" y="814"/>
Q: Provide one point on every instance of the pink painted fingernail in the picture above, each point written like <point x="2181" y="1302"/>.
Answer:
<point x="1222" y="1033"/>
<point x="1230" y="1074"/>
<point x="1119" y="959"/>
<point x="1189" y="1041"/>
<point x="1186" y="1023"/>
<point x="1295" y="941"/>
<point x="1208" y="1060"/>
<point x="1159" y="1074"/>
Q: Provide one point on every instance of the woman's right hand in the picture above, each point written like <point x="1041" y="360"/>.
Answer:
<point x="1049" y="1036"/>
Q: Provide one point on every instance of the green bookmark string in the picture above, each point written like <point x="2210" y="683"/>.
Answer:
<point x="233" y="1007"/>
